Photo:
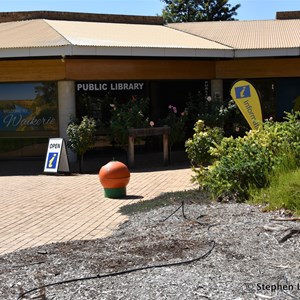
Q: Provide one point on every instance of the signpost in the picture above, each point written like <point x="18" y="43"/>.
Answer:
<point x="56" y="159"/>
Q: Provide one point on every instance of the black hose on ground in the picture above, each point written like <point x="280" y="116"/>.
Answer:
<point x="22" y="295"/>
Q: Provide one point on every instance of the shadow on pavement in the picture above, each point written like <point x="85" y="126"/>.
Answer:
<point x="144" y="162"/>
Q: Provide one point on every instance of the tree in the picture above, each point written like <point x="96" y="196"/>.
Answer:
<point x="81" y="137"/>
<point x="177" y="11"/>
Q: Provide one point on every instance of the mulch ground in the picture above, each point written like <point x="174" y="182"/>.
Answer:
<point x="200" y="251"/>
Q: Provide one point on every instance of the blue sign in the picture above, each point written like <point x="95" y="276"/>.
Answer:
<point x="242" y="92"/>
<point x="56" y="158"/>
<point x="52" y="160"/>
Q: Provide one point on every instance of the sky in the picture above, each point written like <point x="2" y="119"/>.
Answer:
<point x="249" y="10"/>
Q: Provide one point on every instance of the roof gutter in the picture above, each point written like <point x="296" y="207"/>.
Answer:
<point x="76" y="50"/>
<point x="251" y="53"/>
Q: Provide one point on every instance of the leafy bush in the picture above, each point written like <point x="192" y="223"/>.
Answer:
<point x="215" y="113"/>
<point x="97" y="108"/>
<point x="198" y="147"/>
<point x="177" y="122"/>
<point x="206" y="108"/>
<point x="81" y="136"/>
<point x="132" y="114"/>
<point x="234" y="122"/>
<point x="251" y="160"/>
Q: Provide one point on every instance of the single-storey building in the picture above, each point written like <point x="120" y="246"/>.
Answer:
<point x="55" y="65"/>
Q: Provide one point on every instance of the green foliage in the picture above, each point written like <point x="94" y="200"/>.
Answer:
<point x="97" y="108"/>
<point x="177" y="122"/>
<point x="133" y="114"/>
<point x="234" y="122"/>
<point x="207" y="109"/>
<point x="250" y="161"/>
<point x="195" y="11"/>
<point x="198" y="147"/>
<point x="283" y="192"/>
<point x="215" y="113"/>
<point x="81" y="136"/>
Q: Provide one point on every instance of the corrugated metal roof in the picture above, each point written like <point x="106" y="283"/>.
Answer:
<point x="269" y="34"/>
<point x="128" y="35"/>
<point x="203" y="39"/>
<point x="48" y="33"/>
<point x="33" y="33"/>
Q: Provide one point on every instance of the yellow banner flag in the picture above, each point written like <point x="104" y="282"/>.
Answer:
<point x="246" y="98"/>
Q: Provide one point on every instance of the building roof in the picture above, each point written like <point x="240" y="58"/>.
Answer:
<point x="250" y="38"/>
<point x="68" y="34"/>
<point x="50" y="37"/>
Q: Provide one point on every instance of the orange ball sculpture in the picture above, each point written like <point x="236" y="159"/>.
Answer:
<point x="114" y="177"/>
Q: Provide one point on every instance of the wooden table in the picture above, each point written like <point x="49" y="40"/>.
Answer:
<point x="143" y="132"/>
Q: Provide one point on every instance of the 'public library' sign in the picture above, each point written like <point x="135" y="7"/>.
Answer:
<point x="109" y="86"/>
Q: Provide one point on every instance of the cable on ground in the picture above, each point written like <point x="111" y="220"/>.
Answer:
<point x="23" y="294"/>
<point x="185" y="262"/>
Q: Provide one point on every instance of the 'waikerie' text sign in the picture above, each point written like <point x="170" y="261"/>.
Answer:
<point x="56" y="159"/>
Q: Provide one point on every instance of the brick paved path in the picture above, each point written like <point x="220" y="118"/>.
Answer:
<point x="37" y="210"/>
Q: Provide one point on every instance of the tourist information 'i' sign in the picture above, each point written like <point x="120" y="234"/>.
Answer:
<point x="246" y="98"/>
<point x="56" y="159"/>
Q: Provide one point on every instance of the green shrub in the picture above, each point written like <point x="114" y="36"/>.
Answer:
<point x="283" y="193"/>
<point x="133" y="114"/>
<point x="250" y="161"/>
<point x="177" y="122"/>
<point x="197" y="148"/>
<point x="81" y="137"/>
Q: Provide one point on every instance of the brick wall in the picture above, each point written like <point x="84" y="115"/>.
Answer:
<point x="71" y="16"/>
<point x="287" y="15"/>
